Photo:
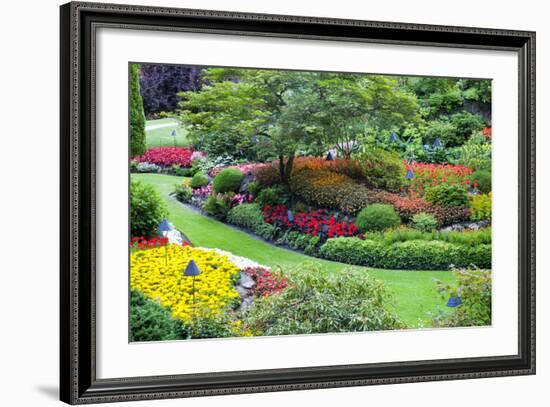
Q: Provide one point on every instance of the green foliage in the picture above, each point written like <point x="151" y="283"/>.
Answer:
<point x="137" y="115"/>
<point x="483" y="178"/>
<point x="276" y="195"/>
<point x="309" y="244"/>
<point x="480" y="207"/>
<point x="228" y="180"/>
<point x="447" y="195"/>
<point x="200" y="179"/>
<point x="206" y="325"/>
<point x="266" y="231"/>
<point x="216" y="205"/>
<point x="424" y="222"/>
<point x="403" y="234"/>
<point x="474" y="289"/>
<point x="377" y="217"/>
<point x="406" y="255"/>
<point x="149" y="321"/>
<point x="246" y="215"/>
<point x="147" y="210"/>
<point x="254" y="188"/>
<point x="474" y="153"/>
<point x="382" y="169"/>
<point x="318" y="302"/>
<point x="454" y="130"/>
<point x="183" y="193"/>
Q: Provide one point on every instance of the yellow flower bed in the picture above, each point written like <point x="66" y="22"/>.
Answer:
<point x="214" y="290"/>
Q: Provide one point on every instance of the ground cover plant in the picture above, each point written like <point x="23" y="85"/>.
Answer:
<point x="345" y="195"/>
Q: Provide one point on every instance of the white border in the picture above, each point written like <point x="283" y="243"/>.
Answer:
<point x="117" y="358"/>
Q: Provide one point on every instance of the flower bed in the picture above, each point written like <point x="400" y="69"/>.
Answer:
<point x="167" y="284"/>
<point x="267" y="282"/>
<point x="427" y="175"/>
<point x="167" y="156"/>
<point x="316" y="223"/>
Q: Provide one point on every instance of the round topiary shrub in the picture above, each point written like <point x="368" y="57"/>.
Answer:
<point x="200" y="179"/>
<point x="228" y="180"/>
<point x="377" y="217"/>
<point x="483" y="178"/>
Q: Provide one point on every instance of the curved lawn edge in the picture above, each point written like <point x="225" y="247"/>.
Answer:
<point x="414" y="291"/>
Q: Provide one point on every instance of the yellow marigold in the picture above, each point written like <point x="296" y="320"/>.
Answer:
<point x="166" y="283"/>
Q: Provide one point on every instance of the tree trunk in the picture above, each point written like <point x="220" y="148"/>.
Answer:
<point x="285" y="169"/>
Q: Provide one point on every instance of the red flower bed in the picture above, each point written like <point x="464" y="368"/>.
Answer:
<point x="427" y="175"/>
<point x="167" y="156"/>
<point x="267" y="283"/>
<point x="142" y="243"/>
<point x="315" y="223"/>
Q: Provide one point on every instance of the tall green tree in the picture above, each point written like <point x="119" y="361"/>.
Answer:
<point x="137" y="115"/>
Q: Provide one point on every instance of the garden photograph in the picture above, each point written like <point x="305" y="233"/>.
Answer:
<point x="268" y="202"/>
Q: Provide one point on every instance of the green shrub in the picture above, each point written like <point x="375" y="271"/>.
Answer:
<point x="480" y="207"/>
<point x="246" y="215"/>
<point x="149" y="321"/>
<point x="228" y="180"/>
<point x="137" y="115"/>
<point x="254" y="188"/>
<point x="382" y="169"/>
<point x="483" y="178"/>
<point x="216" y="206"/>
<point x="200" y="179"/>
<point x="377" y="217"/>
<point x="266" y="231"/>
<point x="147" y="210"/>
<point x="352" y="250"/>
<point x="473" y="286"/>
<point x="275" y="195"/>
<point x="206" y="325"/>
<point x="309" y="244"/>
<point x="449" y="196"/>
<point x="420" y="255"/>
<point x="183" y="193"/>
<point x="402" y="234"/>
<point x="424" y="222"/>
<point x="324" y="302"/>
<point x="406" y="255"/>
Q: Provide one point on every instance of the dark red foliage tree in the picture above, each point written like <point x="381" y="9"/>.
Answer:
<point x="161" y="83"/>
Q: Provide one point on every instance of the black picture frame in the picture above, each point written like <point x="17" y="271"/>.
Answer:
<point x="78" y="382"/>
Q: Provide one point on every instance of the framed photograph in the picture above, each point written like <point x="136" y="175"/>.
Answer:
<point x="255" y="203"/>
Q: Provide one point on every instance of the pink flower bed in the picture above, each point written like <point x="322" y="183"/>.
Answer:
<point x="245" y="168"/>
<point x="167" y="156"/>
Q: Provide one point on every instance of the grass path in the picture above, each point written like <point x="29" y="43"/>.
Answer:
<point x="158" y="133"/>
<point x="414" y="291"/>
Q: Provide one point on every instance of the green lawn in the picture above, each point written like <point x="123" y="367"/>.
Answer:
<point x="159" y="133"/>
<point x="414" y="291"/>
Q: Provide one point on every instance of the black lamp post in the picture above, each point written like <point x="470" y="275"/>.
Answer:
<point x="192" y="270"/>
<point x="454" y="302"/>
<point x="174" y="134"/>
<point x="393" y="137"/>
<point x="410" y="174"/>
<point x="164" y="228"/>
<point x="437" y="143"/>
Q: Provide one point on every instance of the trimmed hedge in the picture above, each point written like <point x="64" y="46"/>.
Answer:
<point x="249" y="216"/>
<point x="408" y="255"/>
<point x="200" y="179"/>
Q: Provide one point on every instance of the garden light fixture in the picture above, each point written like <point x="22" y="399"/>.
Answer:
<point x="393" y="137"/>
<point x="410" y="174"/>
<point x="290" y="216"/>
<point x="174" y="134"/>
<point x="192" y="270"/>
<point x="330" y="157"/>
<point x="437" y="143"/>
<point x="164" y="228"/>
<point x="454" y="302"/>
